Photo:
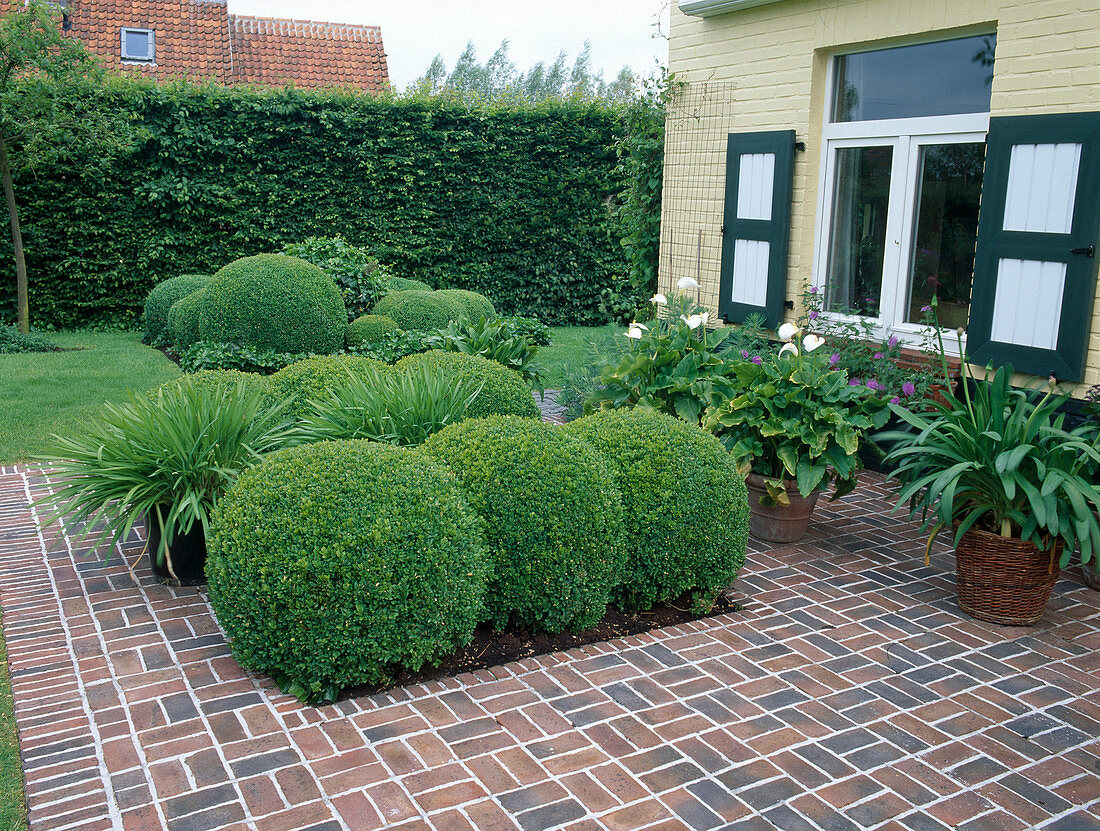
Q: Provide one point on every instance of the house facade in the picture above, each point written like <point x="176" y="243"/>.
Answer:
<point x="201" y="40"/>
<point x="883" y="153"/>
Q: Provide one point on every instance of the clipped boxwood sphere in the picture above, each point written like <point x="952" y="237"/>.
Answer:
<point x="553" y="519"/>
<point x="474" y="306"/>
<point x="209" y="379"/>
<point x="417" y="311"/>
<point x="312" y="378"/>
<point x="503" y="390"/>
<point x="183" y="319"/>
<point x="333" y="564"/>
<point x="272" y="301"/>
<point x="405" y="284"/>
<point x="369" y="329"/>
<point x="685" y="507"/>
<point x="161" y="298"/>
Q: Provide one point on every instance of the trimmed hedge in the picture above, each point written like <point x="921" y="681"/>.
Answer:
<point x="272" y="301"/>
<point x="418" y="311"/>
<point x="685" y="506"/>
<point x="161" y="298"/>
<point x="474" y="306"/>
<point x="553" y="519"/>
<point x="405" y="284"/>
<point x="516" y="203"/>
<point x="184" y="320"/>
<point x="210" y="379"/>
<point x="312" y="378"/>
<point x="369" y="329"/>
<point x="334" y="564"/>
<point x="503" y="391"/>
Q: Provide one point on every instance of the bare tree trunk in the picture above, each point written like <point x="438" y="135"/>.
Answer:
<point x="22" y="306"/>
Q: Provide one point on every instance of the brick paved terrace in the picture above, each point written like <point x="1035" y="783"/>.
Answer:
<point x="849" y="693"/>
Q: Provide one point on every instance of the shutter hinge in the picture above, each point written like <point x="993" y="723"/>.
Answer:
<point x="1088" y="251"/>
<point x="800" y="146"/>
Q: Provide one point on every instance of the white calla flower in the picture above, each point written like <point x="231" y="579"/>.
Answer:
<point x="787" y="331"/>
<point x="789" y="347"/>
<point x="641" y="326"/>
<point x="634" y="332"/>
<point x="659" y="299"/>
<point x="705" y="318"/>
<point x="812" y="342"/>
<point x="686" y="283"/>
<point x="693" y="322"/>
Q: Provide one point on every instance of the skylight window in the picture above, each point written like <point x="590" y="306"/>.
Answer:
<point x="138" y="45"/>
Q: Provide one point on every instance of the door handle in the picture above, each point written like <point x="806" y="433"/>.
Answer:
<point x="1087" y="251"/>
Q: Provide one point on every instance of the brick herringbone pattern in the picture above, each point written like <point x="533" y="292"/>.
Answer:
<point x="849" y="693"/>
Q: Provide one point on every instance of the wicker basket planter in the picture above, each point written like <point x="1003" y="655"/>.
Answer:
<point x="1004" y="580"/>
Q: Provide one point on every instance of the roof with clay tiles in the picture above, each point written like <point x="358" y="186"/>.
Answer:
<point x="275" y="52"/>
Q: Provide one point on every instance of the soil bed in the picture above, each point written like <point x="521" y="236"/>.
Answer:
<point x="490" y="648"/>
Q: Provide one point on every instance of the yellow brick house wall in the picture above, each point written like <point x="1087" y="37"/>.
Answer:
<point x="773" y="61"/>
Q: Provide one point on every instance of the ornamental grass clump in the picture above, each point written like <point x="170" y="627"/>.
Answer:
<point x="168" y="457"/>
<point x="791" y="417"/>
<point x="503" y="391"/>
<point x="685" y="506"/>
<point x="401" y="407"/>
<point x="338" y="564"/>
<point x="552" y="516"/>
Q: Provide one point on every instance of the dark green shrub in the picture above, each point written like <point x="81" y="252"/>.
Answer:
<point x="503" y="391"/>
<point x="12" y="340"/>
<point x="553" y="519"/>
<point x="206" y="354"/>
<point x="405" y="284"/>
<point x="183" y="319"/>
<point x="335" y="564"/>
<point x="531" y="328"/>
<point x="355" y="272"/>
<point x="313" y="378"/>
<point x="474" y="306"/>
<point x="369" y="329"/>
<point x="215" y="379"/>
<point x="418" y="310"/>
<point x="685" y="507"/>
<point x="272" y="301"/>
<point x="163" y="296"/>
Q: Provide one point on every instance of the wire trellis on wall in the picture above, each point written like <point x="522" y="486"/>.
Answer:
<point x="700" y="117"/>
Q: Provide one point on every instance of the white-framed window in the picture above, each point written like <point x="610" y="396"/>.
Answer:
<point x="138" y="45"/>
<point x="901" y="182"/>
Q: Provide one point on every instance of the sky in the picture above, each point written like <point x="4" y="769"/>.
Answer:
<point x="415" y="31"/>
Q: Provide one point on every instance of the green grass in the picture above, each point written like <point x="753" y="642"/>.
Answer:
<point x="573" y="348"/>
<point x="57" y="392"/>
<point x="13" y="808"/>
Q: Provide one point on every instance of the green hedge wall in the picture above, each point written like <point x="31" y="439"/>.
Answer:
<point x="518" y="204"/>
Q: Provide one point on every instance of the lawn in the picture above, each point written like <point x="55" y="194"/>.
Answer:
<point x="57" y="392"/>
<point x="573" y="348"/>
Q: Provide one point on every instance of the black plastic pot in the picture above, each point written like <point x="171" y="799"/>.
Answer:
<point x="188" y="553"/>
<point x="871" y="453"/>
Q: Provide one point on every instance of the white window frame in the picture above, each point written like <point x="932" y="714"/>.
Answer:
<point x="905" y="136"/>
<point x="152" y="59"/>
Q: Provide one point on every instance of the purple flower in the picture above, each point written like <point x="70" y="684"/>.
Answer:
<point x="895" y="400"/>
<point x="908" y="389"/>
<point x="892" y="342"/>
<point x="879" y="356"/>
<point x="926" y="308"/>
<point x="813" y="289"/>
<point x="855" y="382"/>
<point x="834" y="359"/>
<point x="814" y="315"/>
<point x="874" y="385"/>
<point x="756" y="359"/>
<point x="744" y="353"/>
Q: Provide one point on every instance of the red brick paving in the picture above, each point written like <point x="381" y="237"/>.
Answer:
<point x="849" y="693"/>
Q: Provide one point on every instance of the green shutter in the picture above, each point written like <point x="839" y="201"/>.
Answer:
<point x="1034" y="278"/>
<point x="757" y="227"/>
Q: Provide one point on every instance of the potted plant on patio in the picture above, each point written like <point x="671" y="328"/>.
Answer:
<point x="164" y="459"/>
<point x="997" y="464"/>
<point x="794" y="424"/>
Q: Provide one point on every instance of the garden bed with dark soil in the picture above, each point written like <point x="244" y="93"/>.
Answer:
<point x="490" y="648"/>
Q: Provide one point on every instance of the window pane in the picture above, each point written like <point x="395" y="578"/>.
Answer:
<point x="136" y="45"/>
<point x="857" y="243"/>
<point x="943" y="78"/>
<point x="950" y="189"/>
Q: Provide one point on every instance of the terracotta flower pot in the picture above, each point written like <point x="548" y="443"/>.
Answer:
<point x="779" y="523"/>
<point x="188" y="555"/>
<point x="1004" y="580"/>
